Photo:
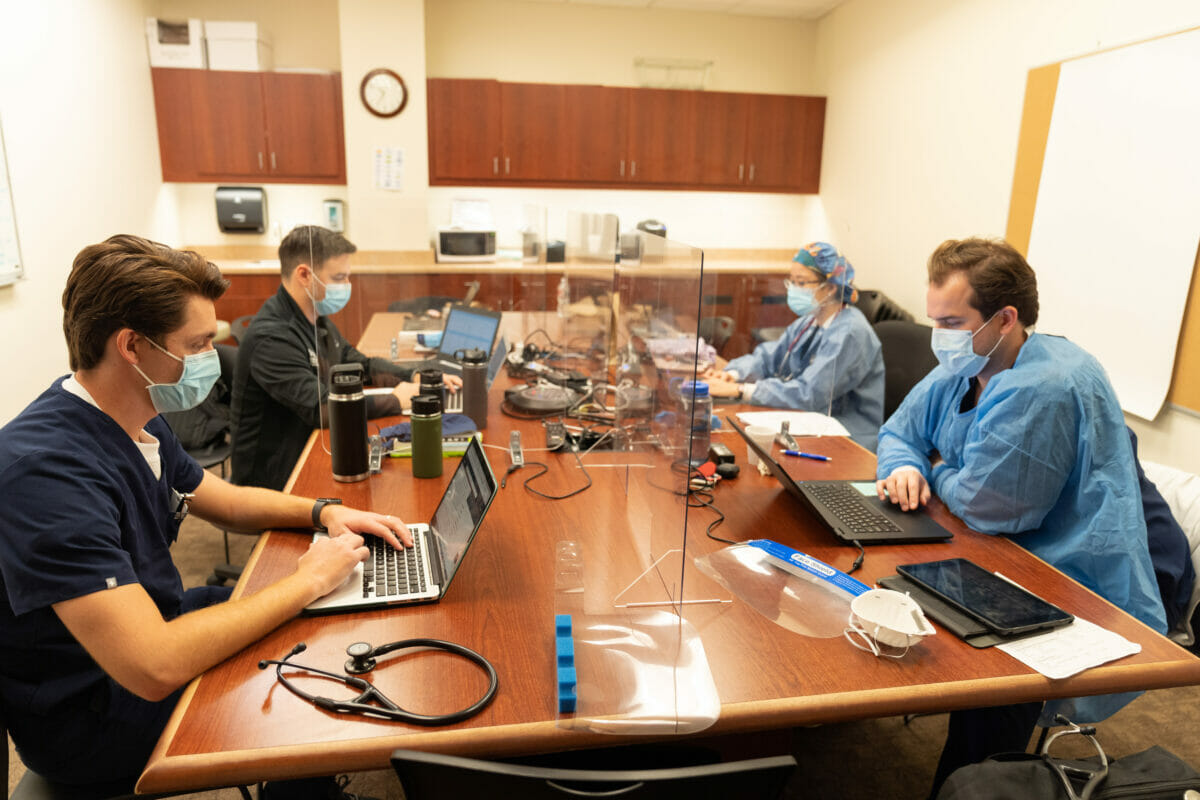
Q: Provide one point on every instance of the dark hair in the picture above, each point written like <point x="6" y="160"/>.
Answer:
<point x="312" y="245"/>
<point x="998" y="275"/>
<point x="130" y="282"/>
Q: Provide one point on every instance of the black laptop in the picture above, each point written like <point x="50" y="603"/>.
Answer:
<point x="851" y="509"/>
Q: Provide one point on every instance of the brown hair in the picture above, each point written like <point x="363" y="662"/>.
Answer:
<point x="130" y="282"/>
<point x="312" y="245"/>
<point x="998" y="275"/>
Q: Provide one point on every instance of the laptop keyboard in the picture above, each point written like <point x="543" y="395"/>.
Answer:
<point x="389" y="572"/>
<point x="454" y="402"/>
<point x="847" y="504"/>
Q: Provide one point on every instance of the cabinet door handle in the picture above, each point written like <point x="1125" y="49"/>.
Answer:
<point x="752" y="173"/>
<point x="622" y="168"/>
<point x="495" y="165"/>
<point x="506" y="165"/>
<point x="273" y="167"/>
<point x="632" y="168"/>
<point x="260" y="161"/>
<point x="741" y="169"/>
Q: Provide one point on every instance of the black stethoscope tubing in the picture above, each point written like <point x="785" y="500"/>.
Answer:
<point x="368" y="693"/>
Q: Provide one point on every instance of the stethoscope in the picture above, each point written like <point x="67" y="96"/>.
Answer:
<point x="371" y="702"/>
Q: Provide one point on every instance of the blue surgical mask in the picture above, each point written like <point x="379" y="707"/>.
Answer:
<point x="955" y="350"/>
<point x="802" y="301"/>
<point x="200" y="372"/>
<point x="336" y="297"/>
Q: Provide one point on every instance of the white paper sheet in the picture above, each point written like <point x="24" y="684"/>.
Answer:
<point x="801" y="423"/>
<point x="1069" y="650"/>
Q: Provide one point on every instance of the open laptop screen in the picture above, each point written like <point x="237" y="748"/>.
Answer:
<point x="467" y="328"/>
<point x="459" y="514"/>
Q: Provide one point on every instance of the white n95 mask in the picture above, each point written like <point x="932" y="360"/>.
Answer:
<point x="884" y="618"/>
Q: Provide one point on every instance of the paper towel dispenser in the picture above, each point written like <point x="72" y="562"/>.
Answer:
<point x="241" y="209"/>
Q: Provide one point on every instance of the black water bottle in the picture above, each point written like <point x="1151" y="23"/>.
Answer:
<point x="430" y="381"/>
<point x="474" y="386"/>
<point x="348" y="447"/>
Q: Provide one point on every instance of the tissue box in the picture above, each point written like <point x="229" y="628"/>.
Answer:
<point x="175" y="44"/>
<point x="237" y="46"/>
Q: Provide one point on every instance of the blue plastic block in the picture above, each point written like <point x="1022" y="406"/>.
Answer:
<point x="565" y="647"/>
<point x="566" y="688"/>
<point x="562" y="624"/>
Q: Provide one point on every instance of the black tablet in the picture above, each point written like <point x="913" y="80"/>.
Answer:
<point x="998" y="603"/>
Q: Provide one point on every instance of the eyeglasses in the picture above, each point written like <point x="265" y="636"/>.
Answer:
<point x="791" y="284"/>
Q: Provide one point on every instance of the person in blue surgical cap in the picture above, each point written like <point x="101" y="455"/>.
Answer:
<point x="828" y="360"/>
<point x="1019" y="434"/>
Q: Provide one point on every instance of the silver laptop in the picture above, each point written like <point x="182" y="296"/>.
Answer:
<point x="851" y="509"/>
<point x="421" y="573"/>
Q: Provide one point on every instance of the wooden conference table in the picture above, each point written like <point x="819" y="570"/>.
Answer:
<point x="236" y="725"/>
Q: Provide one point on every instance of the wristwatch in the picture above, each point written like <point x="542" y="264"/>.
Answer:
<point x="319" y="506"/>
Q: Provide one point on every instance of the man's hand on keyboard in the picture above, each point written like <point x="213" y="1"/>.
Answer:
<point x="328" y="561"/>
<point x="453" y="382"/>
<point x="340" y="520"/>
<point x="906" y="487"/>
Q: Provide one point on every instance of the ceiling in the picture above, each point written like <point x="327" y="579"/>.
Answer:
<point x="791" y="9"/>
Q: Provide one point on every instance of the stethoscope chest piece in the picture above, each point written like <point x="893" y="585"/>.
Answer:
<point x="361" y="658"/>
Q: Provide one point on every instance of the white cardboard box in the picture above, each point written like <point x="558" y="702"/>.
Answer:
<point x="237" y="46"/>
<point x="175" y="44"/>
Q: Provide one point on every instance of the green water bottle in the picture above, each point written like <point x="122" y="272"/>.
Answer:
<point x="426" y="436"/>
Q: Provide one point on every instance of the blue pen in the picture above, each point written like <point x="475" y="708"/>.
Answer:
<point x="813" y="456"/>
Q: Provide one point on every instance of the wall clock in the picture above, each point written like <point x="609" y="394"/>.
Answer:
<point x="383" y="92"/>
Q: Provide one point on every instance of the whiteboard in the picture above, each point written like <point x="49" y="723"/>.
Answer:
<point x="1117" y="217"/>
<point x="11" y="266"/>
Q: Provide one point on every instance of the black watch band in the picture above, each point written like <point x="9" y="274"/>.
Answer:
<point x="319" y="506"/>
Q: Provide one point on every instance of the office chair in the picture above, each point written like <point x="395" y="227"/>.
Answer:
<point x="423" y="305"/>
<point x="204" y="432"/>
<point x="237" y="328"/>
<point x="907" y="358"/>
<point x="715" y="330"/>
<point x="878" y="307"/>
<point x="424" y="776"/>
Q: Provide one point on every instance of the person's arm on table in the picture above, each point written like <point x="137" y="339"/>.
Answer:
<point x="904" y="450"/>
<point x="123" y="630"/>
<point x="250" y="508"/>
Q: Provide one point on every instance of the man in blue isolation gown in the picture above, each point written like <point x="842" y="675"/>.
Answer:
<point x="1019" y="433"/>
<point x="828" y="360"/>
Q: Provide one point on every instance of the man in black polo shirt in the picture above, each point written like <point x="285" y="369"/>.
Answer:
<point x="277" y="398"/>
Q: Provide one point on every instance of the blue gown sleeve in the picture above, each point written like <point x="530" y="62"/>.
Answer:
<point x="754" y="365"/>
<point x="1015" y="462"/>
<point x="906" y="438"/>
<point x="841" y="359"/>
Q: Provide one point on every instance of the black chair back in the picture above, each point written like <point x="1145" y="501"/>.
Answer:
<point x="907" y="358"/>
<point x="878" y="307"/>
<point x="425" y="776"/>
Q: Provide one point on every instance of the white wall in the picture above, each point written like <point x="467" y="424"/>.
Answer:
<point x="78" y="116"/>
<point x="921" y="131"/>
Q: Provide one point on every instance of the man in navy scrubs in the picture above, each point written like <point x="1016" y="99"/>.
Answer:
<point x="97" y="635"/>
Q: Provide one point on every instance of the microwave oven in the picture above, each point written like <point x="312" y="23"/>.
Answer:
<point x="460" y="244"/>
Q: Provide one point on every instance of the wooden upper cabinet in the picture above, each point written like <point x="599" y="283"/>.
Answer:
<point x="230" y="139"/>
<point x="783" y="142"/>
<point x="490" y="133"/>
<point x="464" y="130"/>
<point x="663" y="137"/>
<point x="304" y="125"/>
<point x="267" y="127"/>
